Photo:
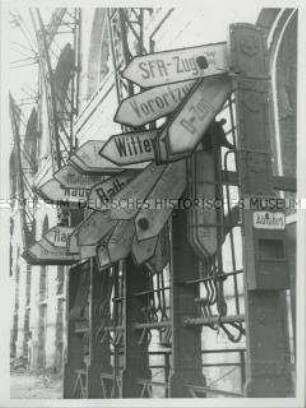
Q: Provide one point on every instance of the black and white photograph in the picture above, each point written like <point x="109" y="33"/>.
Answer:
<point x="152" y="205"/>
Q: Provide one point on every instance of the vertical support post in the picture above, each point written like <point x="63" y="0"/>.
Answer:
<point x="265" y="263"/>
<point x="74" y="347"/>
<point x="186" y="342"/>
<point x="136" y="342"/>
<point x="99" y="353"/>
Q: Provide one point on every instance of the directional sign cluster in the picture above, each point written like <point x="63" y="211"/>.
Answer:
<point x="131" y="181"/>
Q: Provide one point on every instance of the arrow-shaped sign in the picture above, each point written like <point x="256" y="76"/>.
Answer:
<point x="178" y="65"/>
<point x="119" y="245"/>
<point x="161" y="256"/>
<point x="152" y="104"/>
<point x="53" y="191"/>
<point x="202" y="221"/>
<point x="43" y="253"/>
<point x="58" y="236"/>
<point x="186" y="129"/>
<point x="101" y="194"/>
<point x="128" y="202"/>
<point x="68" y="176"/>
<point x="170" y="186"/>
<point x="130" y="148"/>
<point x="93" y="228"/>
<point x="143" y="250"/>
<point x="88" y="159"/>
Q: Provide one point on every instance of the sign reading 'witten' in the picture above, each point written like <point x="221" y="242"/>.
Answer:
<point x="178" y="65"/>
<point x="130" y="148"/>
<point x="187" y="128"/>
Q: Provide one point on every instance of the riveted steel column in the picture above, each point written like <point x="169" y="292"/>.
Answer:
<point x="99" y="352"/>
<point x="136" y="366"/>
<point x="267" y="363"/>
<point x="186" y="342"/>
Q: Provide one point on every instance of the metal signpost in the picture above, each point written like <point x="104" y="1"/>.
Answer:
<point x="130" y="148"/>
<point x="264" y="245"/>
<point x="178" y="65"/>
<point x="186" y="129"/>
<point x="152" y="104"/>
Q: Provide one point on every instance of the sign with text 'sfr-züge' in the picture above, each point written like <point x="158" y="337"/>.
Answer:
<point x="54" y="192"/>
<point x="68" y="176"/>
<point x="152" y="104"/>
<point x="187" y="128"/>
<point x="269" y="220"/>
<point x="58" y="236"/>
<point x="101" y="194"/>
<point x="178" y="65"/>
<point x="88" y="159"/>
<point x="130" y="148"/>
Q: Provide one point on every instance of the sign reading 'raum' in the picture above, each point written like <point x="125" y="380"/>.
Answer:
<point x="152" y="104"/>
<point x="130" y="148"/>
<point x="187" y="128"/>
<point x="178" y="65"/>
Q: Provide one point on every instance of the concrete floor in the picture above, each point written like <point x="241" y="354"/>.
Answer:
<point x="29" y="386"/>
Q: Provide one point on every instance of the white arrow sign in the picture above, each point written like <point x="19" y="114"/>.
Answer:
<point x="88" y="159"/>
<point x="43" y="253"/>
<point x="54" y="192"/>
<point x="152" y="104"/>
<point x="178" y="65"/>
<point x="170" y="186"/>
<point x="130" y="148"/>
<point x="128" y="201"/>
<point x="187" y="128"/>
<point x="68" y="176"/>
<point x="94" y="228"/>
<point x="58" y="236"/>
<point x="101" y="194"/>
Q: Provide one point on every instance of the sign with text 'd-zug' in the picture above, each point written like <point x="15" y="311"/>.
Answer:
<point x="178" y="65"/>
<point x="181" y="136"/>
<point x="130" y="148"/>
<point x="152" y="104"/>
